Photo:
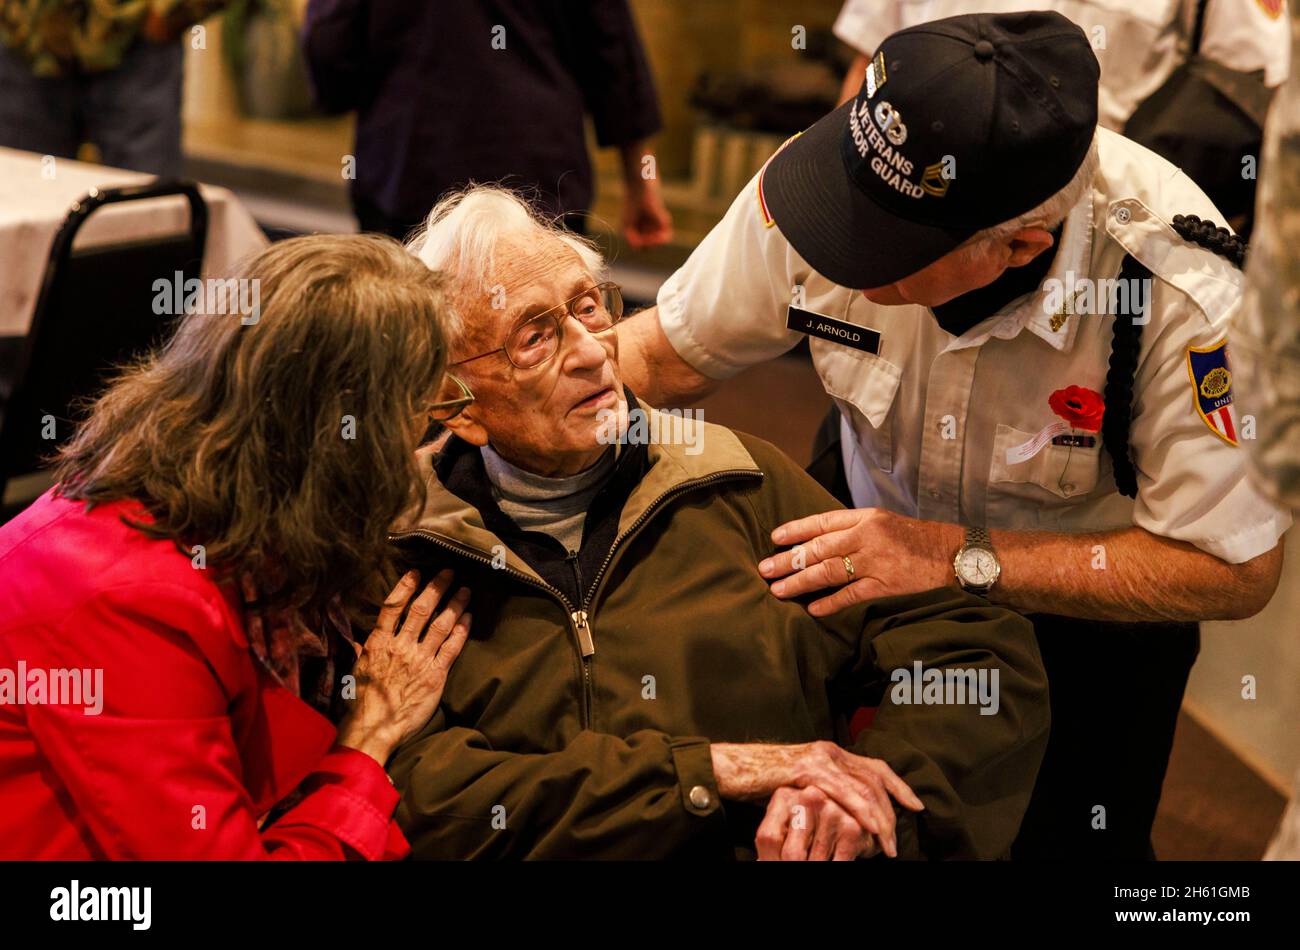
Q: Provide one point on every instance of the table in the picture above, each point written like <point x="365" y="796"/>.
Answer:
<point x="36" y="193"/>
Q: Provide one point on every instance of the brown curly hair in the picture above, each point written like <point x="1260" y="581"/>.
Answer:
<point x="286" y="446"/>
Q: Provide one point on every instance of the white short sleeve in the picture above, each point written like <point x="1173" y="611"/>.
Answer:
<point x="864" y="24"/>
<point x="1193" y="484"/>
<point x="724" y="310"/>
<point x="1249" y="35"/>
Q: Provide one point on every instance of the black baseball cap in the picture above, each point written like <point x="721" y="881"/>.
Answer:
<point x="960" y="124"/>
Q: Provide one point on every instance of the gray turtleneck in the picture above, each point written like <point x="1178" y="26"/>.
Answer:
<point x="554" y="506"/>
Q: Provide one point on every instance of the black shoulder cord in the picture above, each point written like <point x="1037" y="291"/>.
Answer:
<point x="1198" y="26"/>
<point x="1126" y="344"/>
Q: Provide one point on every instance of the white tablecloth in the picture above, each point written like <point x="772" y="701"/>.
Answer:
<point x="34" y="203"/>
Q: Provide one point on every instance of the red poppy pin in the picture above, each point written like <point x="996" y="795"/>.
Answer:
<point x="1082" y="408"/>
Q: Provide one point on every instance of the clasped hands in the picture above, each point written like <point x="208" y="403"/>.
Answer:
<point x="823" y="802"/>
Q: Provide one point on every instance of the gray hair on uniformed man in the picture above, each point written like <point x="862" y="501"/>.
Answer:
<point x="1052" y="211"/>
<point x="460" y="235"/>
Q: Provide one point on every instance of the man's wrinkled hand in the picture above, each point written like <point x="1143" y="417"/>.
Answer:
<point x="859" y="785"/>
<point x="891" y="554"/>
<point x="805" y="824"/>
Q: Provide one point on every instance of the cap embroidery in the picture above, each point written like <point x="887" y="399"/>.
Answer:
<point x="934" y="181"/>
<point x="890" y="121"/>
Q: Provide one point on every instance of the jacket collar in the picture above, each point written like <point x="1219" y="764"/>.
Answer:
<point x="680" y="453"/>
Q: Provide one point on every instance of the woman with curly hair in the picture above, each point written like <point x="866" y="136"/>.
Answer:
<point x="176" y="614"/>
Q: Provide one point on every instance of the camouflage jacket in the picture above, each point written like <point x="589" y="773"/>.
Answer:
<point x="59" y="37"/>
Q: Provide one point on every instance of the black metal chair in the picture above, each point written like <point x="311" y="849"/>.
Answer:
<point x="95" y="311"/>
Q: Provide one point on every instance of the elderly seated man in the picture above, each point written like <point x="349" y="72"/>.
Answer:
<point x="631" y="688"/>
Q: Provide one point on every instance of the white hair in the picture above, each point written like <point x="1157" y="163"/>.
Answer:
<point x="460" y="236"/>
<point x="1052" y="211"/>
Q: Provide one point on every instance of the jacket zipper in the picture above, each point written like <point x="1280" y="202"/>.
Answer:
<point x="586" y="645"/>
<point x="580" y="618"/>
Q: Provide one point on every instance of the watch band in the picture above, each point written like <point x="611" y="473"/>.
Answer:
<point x="978" y="538"/>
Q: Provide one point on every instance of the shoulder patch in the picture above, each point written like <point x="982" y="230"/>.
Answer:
<point x="768" y="220"/>
<point x="1272" y="8"/>
<point x="1212" y="389"/>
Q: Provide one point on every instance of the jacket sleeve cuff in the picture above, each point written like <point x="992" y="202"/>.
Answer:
<point x="693" y="760"/>
<point x="352" y="795"/>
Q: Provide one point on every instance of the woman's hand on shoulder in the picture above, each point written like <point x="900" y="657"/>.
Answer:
<point x="403" y="666"/>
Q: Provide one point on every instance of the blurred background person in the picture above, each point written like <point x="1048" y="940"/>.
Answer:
<point x="108" y="73"/>
<point x="1268" y="347"/>
<point x="1189" y="79"/>
<point x="1137" y="44"/>
<point x="453" y="92"/>
<point x="214" y="533"/>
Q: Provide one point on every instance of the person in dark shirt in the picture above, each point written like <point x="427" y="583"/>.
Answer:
<point x="487" y="90"/>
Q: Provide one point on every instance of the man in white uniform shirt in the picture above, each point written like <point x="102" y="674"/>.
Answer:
<point x="968" y="189"/>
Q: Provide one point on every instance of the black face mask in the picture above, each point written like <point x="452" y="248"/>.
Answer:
<point x="961" y="313"/>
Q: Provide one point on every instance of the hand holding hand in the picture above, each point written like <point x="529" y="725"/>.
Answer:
<point x="805" y="824"/>
<point x="859" y="785"/>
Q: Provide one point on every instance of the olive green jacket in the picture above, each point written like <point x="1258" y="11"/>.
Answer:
<point x="581" y="730"/>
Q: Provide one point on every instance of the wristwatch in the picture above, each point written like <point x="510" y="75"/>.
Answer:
<point x="976" y="564"/>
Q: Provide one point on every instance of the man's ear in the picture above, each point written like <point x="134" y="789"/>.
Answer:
<point x="1028" y="243"/>
<point x="467" y="427"/>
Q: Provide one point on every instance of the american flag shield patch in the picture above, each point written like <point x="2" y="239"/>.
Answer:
<point x="1212" y="385"/>
<point x="762" y="198"/>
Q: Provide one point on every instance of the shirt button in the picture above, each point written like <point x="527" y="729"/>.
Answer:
<point x="933" y="493"/>
<point x="1068" y="487"/>
<point x="1122" y="215"/>
<point x="700" y="797"/>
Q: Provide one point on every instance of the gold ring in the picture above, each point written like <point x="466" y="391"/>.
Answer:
<point x="848" y="567"/>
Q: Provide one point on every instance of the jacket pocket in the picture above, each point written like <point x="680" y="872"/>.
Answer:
<point x="1056" y="472"/>
<point x="863" y="386"/>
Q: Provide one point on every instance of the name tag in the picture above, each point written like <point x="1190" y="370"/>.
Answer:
<point x="837" y="331"/>
<point x="1074" y="440"/>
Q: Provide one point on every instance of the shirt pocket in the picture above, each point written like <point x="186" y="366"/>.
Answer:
<point x="1056" y="474"/>
<point x="863" y="386"/>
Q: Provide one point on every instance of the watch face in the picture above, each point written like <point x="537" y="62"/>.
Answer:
<point x="978" y="567"/>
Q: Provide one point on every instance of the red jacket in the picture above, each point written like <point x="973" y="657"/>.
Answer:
<point x="194" y="741"/>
